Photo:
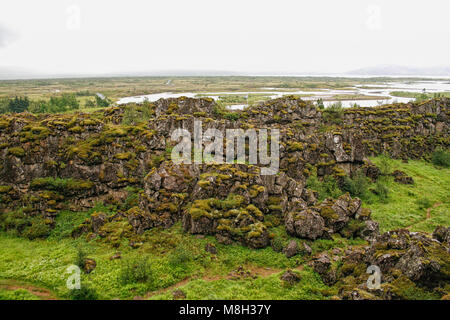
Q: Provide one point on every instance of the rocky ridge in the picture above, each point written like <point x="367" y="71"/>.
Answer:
<point x="51" y="163"/>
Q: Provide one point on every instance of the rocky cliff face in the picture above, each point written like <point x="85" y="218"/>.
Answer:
<point x="54" y="162"/>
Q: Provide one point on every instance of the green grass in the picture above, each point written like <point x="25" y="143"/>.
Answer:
<point x="405" y="208"/>
<point x="43" y="263"/>
<point x="408" y="94"/>
<point x="66" y="221"/>
<point x="175" y="258"/>
<point x="19" y="294"/>
<point x="271" y="287"/>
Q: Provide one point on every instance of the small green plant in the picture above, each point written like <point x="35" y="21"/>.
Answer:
<point x="420" y="97"/>
<point x="19" y="294"/>
<point x="102" y="101"/>
<point x="147" y="110"/>
<point x="334" y="113"/>
<point x="233" y="116"/>
<point x="180" y="256"/>
<point x="220" y="111"/>
<point x="327" y="187"/>
<point x="424" y="203"/>
<point x="14" y="221"/>
<point x="320" y="104"/>
<point x="65" y="186"/>
<point x="130" y="116"/>
<point x="16" y="151"/>
<point x="277" y="244"/>
<point x="157" y="160"/>
<point x="381" y="190"/>
<point x="81" y="257"/>
<point x="357" y="186"/>
<point x="385" y="164"/>
<point x="137" y="270"/>
<point x="441" y="158"/>
<point x="84" y="293"/>
<point x="38" y="229"/>
<point x="89" y="103"/>
<point x="132" y="199"/>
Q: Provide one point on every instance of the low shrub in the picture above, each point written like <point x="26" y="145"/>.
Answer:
<point x="14" y="221"/>
<point x="180" y="256"/>
<point x="385" y="165"/>
<point x="137" y="270"/>
<point x="357" y="186"/>
<point x="131" y="116"/>
<point x="381" y="190"/>
<point x="277" y="244"/>
<point x="334" y="113"/>
<point x="84" y="293"/>
<point x="80" y="258"/>
<point x="38" y="229"/>
<point x="424" y="203"/>
<point x="18" y="223"/>
<point x="441" y="158"/>
<point x="328" y="187"/>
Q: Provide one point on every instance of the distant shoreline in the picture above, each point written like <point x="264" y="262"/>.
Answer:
<point x="168" y="75"/>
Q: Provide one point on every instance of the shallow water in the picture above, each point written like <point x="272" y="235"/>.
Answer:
<point x="381" y="90"/>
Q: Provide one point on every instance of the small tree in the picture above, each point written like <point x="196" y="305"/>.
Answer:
<point x="19" y="104"/>
<point x="334" y="113"/>
<point x="102" y="102"/>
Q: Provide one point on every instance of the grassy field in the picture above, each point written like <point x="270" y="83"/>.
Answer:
<point x="172" y="259"/>
<point x="85" y="89"/>
<point x="182" y="261"/>
<point x="408" y="94"/>
<point x="418" y="207"/>
<point x="119" y="87"/>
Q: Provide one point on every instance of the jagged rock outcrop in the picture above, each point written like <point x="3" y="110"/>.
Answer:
<point x="442" y="234"/>
<point x="343" y="215"/>
<point x="401" y="177"/>
<point x="291" y="249"/>
<point x="411" y="264"/>
<point x="290" y="277"/>
<point x="50" y="163"/>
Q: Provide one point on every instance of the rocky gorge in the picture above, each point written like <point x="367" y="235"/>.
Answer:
<point x="121" y="156"/>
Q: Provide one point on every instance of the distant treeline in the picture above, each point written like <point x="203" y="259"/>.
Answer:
<point x="58" y="104"/>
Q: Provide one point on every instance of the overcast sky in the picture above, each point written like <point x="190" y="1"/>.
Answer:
<point x="107" y="36"/>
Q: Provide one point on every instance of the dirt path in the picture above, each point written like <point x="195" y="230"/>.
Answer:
<point x="42" y="293"/>
<point x="437" y="204"/>
<point x="253" y="271"/>
<point x="428" y="215"/>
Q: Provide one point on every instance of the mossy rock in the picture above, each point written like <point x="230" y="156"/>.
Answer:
<point x="405" y="289"/>
<point x="64" y="186"/>
<point x="124" y="156"/>
<point x="328" y="213"/>
<point x="352" y="228"/>
<point x="5" y="189"/>
<point x="255" y="190"/>
<point x="16" y="151"/>
<point x="30" y="133"/>
<point x="76" y="129"/>
<point x="295" y="146"/>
